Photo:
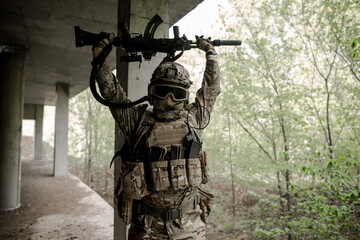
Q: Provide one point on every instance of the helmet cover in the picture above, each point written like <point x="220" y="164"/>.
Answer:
<point x="169" y="73"/>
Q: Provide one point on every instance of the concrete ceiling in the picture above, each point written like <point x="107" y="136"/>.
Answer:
<point x="46" y="29"/>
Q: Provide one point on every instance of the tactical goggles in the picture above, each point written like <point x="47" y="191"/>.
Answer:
<point x="162" y="91"/>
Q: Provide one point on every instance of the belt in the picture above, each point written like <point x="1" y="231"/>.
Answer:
<point x="168" y="214"/>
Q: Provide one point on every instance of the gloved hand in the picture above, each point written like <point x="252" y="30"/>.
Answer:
<point x="99" y="46"/>
<point x="204" y="44"/>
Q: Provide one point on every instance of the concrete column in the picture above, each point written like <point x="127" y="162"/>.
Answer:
<point x="141" y="12"/>
<point x="61" y="130"/>
<point x="12" y="59"/>
<point x="134" y="80"/>
<point x="39" y="113"/>
<point x="120" y="229"/>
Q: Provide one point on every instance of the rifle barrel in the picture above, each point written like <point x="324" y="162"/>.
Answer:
<point x="218" y="42"/>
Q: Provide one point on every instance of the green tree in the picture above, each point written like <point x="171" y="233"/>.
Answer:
<point x="293" y="91"/>
<point x="91" y="139"/>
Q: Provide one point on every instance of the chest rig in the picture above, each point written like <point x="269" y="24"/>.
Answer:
<point x="174" y="155"/>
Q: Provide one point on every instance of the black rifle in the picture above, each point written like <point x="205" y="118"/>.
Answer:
<point x="147" y="45"/>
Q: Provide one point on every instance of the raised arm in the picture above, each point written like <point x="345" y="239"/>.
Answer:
<point x="210" y="89"/>
<point x="111" y="91"/>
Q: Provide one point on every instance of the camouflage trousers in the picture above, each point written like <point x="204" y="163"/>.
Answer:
<point x="190" y="226"/>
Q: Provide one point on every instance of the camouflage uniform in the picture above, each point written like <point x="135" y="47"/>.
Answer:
<point x="169" y="209"/>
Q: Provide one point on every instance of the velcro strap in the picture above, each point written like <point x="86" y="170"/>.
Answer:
<point x="168" y="214"/>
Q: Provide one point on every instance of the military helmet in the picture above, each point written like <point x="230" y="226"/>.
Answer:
<point x="169" y="78"/>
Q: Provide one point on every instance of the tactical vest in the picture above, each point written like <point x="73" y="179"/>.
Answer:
<point x="172" y="164"/>
<point x="175" y="161"/>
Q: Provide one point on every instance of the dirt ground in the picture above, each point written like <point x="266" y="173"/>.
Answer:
<point x="56" y="208"/>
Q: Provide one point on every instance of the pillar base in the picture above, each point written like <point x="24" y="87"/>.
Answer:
<point x="10" y="209"/>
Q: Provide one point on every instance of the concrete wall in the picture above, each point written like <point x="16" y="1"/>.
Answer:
<point x="141" y="13"/>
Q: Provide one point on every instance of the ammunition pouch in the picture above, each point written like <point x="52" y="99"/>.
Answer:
<point x="160" y="175"/>
<point x="194" y="171"/>
<point x="178" y="174"/>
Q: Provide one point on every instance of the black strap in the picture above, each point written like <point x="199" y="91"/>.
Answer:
<point x="97" y="63"/>
<point x="117" y="154"/>
<point x="118" y="185"/>
<point x="168" y="214"/>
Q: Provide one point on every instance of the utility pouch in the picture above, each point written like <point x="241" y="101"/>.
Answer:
<point x="204" y="167"/>
<point x="133" y="179"/>
<point x="178" y="174"/>
<point x="160" y="175"/>
<point x="194" y="171"/>
<point x="124" y="208"/>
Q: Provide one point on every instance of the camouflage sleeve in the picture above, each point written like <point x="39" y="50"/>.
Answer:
<point x="111" y="91"/>
<point x="210" y="89"/>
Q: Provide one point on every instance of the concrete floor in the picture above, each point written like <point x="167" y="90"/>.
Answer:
<point x="56" y="208"/>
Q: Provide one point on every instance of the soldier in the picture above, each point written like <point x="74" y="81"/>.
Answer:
<point x="162" y="161"/>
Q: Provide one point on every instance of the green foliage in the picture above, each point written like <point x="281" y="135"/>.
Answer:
<point x="292" y="91"/>
<point x="330" y="208"/>
<point x="356" y="48"/>
<point x="91" y="140"/>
